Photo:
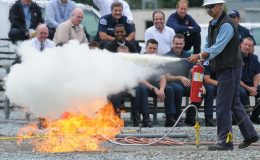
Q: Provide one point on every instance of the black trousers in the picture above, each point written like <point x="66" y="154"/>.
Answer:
<point x="51" y="32"/>
<point x="16" y="35"/>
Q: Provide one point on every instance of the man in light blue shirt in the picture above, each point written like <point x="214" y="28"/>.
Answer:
<point x="222" y="49"/>
<point x="58" y="11"/>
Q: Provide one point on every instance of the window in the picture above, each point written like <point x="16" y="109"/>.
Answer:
<point x="256" y="35"/>
<point x="90" y="23"/>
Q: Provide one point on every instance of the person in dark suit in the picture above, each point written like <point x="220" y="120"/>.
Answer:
<point x="24" y="16"/>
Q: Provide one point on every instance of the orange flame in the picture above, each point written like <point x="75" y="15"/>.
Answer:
<point x="75" y="132"/>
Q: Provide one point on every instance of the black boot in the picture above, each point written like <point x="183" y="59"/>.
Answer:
<point x="146" y="120"/>
<point x="209" y="121"/>
<point x="190" y="121"/>
<point x="190" y="117"/>
<point x="255" y="115"/>
<point x="255" y="119"/>
<point x="136" y="119"/>
<point x="221" y="147"/>
<point x="170" y="121"/>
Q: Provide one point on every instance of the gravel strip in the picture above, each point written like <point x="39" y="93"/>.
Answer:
<point x="10" y="150"/>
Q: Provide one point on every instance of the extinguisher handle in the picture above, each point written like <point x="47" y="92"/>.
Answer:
<point x="201" y="61"/>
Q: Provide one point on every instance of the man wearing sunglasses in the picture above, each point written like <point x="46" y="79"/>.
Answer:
<point x="243" y="31"/>
<point x="222" y="50"/>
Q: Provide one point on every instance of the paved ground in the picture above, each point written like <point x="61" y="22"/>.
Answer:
<point x="10" y="150"/>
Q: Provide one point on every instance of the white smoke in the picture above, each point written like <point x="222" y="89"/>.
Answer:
<point x="71" y="77"/>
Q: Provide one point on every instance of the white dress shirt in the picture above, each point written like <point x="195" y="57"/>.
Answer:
<point x="104" y="7"/>
<point x="37" y="44"/>
<point x="163" y="38"/>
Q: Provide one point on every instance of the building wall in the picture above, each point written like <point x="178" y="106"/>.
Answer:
<point x="248" y="9"/>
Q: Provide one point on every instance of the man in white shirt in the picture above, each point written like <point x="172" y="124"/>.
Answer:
<point x="40" y="41"/>
<point x="105" y="8"/>
<point x="160" y="32"/>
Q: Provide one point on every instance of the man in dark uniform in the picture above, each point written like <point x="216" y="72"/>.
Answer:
<point x="24" y="17"/>
<point x="183" y="23"/>
<point x="156" y="86"/>
<point x="222" y="49"/>
<point x="249" y="85"/>
<point x="178" y="77"/>
<point x="243" y="31"/>
<point x="120" y="40"/>
<point x="107" y="25"/>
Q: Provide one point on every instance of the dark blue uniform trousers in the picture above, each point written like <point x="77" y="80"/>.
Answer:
<point x="179" y="91"/>
<point x="117" y="99"/>
<point x="211" y="91"/>
<point x="168" y="102"/>
<point x="244" y="95"/>
<point x="228" y="102"/>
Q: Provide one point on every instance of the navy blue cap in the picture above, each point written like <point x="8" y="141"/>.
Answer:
<point x="234" y="13"/>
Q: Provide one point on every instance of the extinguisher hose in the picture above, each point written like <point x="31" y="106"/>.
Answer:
<point x="166" y="134"/>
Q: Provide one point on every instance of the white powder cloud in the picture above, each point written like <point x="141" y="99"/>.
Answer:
<point x="73" y="76"/>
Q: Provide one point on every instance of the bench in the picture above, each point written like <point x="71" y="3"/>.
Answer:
<point x="7" y="57"/>
<point x="155" y="107"/>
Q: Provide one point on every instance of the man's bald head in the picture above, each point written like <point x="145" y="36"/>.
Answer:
<point x="42" y="32"/>
<point x="77" y="16"/>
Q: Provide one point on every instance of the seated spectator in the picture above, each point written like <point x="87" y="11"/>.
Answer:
<point x="249" y="85"/>
<point x="71" y="29"/>
<point x="108" y="22"/>
<point x="118" y="99"/>
<point x="179" y="79"/>
<point x="183" y="23"/>
<point x="243" y="31"/>
<point x="151" y="47"/>
<point x="155" y="86"/>
<point x="120" y="40"/>
<point x="57" y="11"/>
<point x="160" y="32"/>
<point x="24" y="16"/>
<point x="40" y="41"/>
<point x="104" y="7"/>
<point x="123" y="49"/>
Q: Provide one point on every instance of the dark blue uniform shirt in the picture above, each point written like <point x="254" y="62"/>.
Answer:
<point x="179" y="68"/>
<point x="107" y="24"/>
<point x="209" y="72"/>
<point x="182" y="25"/>
<point x="251" y="67"/>
<point x="244" y="32"/>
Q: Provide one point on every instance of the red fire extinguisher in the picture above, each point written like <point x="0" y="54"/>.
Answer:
<point x="196" y="83"/>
